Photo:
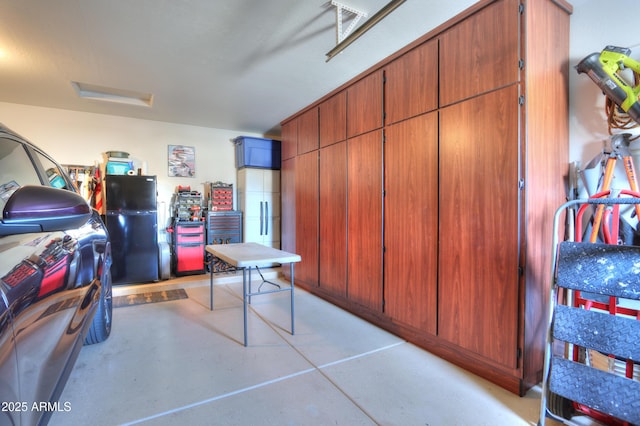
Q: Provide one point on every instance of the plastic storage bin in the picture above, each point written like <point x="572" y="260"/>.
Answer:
<point x="257" y="152"/>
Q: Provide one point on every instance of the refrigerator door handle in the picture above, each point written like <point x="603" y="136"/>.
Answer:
<point x="266" y="218"/>
<point x="261" y="218"/>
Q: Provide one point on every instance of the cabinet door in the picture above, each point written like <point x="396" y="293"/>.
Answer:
<point x="271" y="221"/>
<point x="481" y="52"/>
<point x="289" y="144"/>
<point x="333" y="220"/>
<point x="258" y="180"/>
<point x="364" y="105"/>
<point x="411" y="222"/>
<point x="333" y="119"/>
<point x="308" y="136"/>
<point x="364" y="220"/>
<point x="271" y="184"/>
<point x="259" y="200"/>
<point x="288" y="212"/>
<point x="253" y="206"/>
<point x="479" y="222"/>
<point x="307" y="211"/>
<point x="411" y="83"/>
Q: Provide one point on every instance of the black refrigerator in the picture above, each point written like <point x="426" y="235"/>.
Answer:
<point x="132" y="220"/>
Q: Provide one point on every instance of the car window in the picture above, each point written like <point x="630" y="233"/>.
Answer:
<point x="16" y="169"/>
<point x="54" y="174"/>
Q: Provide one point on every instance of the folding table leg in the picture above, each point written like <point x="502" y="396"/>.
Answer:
<point x="244" y="298"/>
<point x="292" y="299"/>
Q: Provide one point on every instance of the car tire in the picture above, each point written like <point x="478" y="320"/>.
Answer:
<point x="101" y="324"/>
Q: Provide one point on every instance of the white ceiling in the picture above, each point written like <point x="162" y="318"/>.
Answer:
<point x="229" y="64"/>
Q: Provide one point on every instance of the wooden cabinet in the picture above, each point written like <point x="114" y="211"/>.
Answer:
<point x="450" y="198"/>
<point x="364" y="105"/>
<point x="482" y="52"/>
<point x="333" y="220"/>
<point x="407" y="92"/>
<point x="288" y="200"/>
<point x="289" y="143"/>
<point x="333" y="119"/>
<point x="364" y="220"/>
<point x="411" y="222"/>
<point x="307" y="216"/>
<point x="308" y="137"/>
<point x="479" y="221"/>
<point x="288" y="211"/>
<point x="259" y="201"/>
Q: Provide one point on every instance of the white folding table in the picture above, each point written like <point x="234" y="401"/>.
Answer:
<point x="246" y="256"/>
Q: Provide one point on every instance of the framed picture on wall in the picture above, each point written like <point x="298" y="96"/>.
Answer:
<point x="182" y="161"/>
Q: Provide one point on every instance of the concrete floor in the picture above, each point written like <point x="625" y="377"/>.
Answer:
<point x="179" y="363"/>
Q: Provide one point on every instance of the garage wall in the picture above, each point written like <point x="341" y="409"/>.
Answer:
<point x="594" y="25"/>
<point x="81" y="138"/>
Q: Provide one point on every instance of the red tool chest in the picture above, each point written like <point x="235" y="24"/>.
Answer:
<point x="188" y="248"/>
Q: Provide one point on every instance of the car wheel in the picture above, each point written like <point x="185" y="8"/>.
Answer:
<point x="101" y="325"/>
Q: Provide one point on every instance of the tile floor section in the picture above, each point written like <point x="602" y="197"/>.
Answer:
<point x="178" y="363"/>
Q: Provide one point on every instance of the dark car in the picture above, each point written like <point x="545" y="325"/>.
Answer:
<point x="55" y="281"/>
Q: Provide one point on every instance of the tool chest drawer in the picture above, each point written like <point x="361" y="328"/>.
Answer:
<point x="190" y="238"/>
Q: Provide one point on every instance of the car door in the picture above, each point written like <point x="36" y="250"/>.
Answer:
<point x="49" y="312"/>
<point x="11" y="406"/>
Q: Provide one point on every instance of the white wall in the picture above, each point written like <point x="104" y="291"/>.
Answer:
<point x="594" y="25"/>
<point x="81" y="138"/>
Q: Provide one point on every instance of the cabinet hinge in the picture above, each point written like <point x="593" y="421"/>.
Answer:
<point x="520" y="100"/>
<point x="521" y="64"/>
<point x="521" y="8"/>
<point x="519" y="353"/>
<point x="521" y="184"/>
<point x="520" y="271"/>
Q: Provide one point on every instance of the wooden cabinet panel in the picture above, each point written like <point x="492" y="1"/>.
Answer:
<point x="307" y="211"/>
<point x="479" y="222"/>
<point x="547" y="153"/>
<point x="333" y="119"/>
<point x="411" y="222"/>
<point x="411" y="83"/>
<point x="480" y="53"/>
<point x="288" y="211"/>
<point x="289" y="136"/>
<point x="364" y="105"/>
<point x="333" y="220"/>
<point x="308" y="136"/>
<point x="364" y="220"/>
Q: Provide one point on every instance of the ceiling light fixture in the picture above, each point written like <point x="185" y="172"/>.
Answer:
<point x="108" y="94"/>
<point x="390" y="7"/>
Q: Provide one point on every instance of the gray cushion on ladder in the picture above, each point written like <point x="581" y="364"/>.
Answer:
<point x="600" y="268"/>
<point x="605" y="392"/>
